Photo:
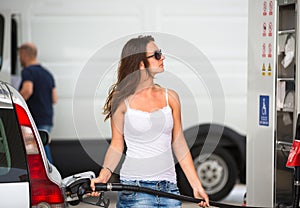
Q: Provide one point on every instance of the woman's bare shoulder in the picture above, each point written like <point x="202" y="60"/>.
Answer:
<point x="173" y="98"/>
<point x="122" y="107"/>
<point x="173" y="94"/>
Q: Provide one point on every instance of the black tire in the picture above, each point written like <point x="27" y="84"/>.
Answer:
<point x="217" y="172"/>
<point x="74" y="203"/>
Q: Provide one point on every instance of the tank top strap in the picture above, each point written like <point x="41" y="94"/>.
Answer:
<point x="126" y="103"/>
<point x="167" y="97"/>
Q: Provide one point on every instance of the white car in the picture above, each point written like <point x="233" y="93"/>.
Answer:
<point x="27" y="179"/>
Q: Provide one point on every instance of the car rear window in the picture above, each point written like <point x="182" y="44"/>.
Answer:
<point x="13" y="167"/>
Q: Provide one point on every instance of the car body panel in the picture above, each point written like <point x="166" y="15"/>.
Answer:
<point x="15" y="194"/>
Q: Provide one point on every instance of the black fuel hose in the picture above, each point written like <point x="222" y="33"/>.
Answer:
<point x="122" y="187"/>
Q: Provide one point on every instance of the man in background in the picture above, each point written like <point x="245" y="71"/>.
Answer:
<point x="38" y="89"/>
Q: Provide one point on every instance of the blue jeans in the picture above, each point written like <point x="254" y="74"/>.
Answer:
<point x="46" y="147"/>
<point x="132" y="199"/>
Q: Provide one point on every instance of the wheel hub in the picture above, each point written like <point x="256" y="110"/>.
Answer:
<point x="212" y="172"/>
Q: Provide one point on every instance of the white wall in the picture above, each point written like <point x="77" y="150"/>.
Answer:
<point x="68" y="33"/>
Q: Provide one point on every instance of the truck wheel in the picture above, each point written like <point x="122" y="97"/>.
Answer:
<point x="217" y="172"/>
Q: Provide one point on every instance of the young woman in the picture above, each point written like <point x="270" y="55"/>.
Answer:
<point x="147" y="118"/>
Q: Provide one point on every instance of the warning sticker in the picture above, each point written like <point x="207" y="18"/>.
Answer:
<point x="265" y="8"/>
<point x="263" y="68"/>
<point x="269" y="67"/>
<point x="270" y="34"/>
<point x="270" y="50"/>
<point x="271" y="7"/>
<point x="264" y="50"/>
<point x="264" y="33"/>
<point x="269" y="70"/>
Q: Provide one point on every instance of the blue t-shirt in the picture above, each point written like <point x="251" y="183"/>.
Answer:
<point x="40" y="102"/>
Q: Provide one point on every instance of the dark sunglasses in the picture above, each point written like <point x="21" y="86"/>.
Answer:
<point x="157" y="55"/>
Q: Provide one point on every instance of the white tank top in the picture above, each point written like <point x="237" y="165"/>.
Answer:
<point x="148" y="137"/>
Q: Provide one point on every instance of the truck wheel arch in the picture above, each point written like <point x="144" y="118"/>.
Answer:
<point x="196" y="136"/>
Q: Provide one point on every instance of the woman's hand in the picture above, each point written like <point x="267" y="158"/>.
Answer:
<point x="103" y="177"/>
<point x="200" y="193"/>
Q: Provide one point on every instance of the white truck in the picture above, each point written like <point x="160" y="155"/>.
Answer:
<point x="71" y="35"/>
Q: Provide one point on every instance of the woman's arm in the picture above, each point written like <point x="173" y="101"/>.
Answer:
<point x="182" y="152"/>
<point x="115" y="149"/>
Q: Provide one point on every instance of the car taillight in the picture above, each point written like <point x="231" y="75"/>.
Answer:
<point x="44" y="193"/>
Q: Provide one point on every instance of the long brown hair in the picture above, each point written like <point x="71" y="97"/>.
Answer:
<point x="134" y="51"/>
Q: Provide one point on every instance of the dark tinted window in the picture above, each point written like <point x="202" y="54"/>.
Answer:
<point x="1" y="39"/>
<point x="13" y="166"/>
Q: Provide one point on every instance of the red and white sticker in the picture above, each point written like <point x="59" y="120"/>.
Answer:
<point x="270" y="50"/>
<point x="264" y="50"/>
<point x="270" y="30"/>
<point x="271" y="7"/>
<point x="265" y="8"/>
<point x="264" y="33"/>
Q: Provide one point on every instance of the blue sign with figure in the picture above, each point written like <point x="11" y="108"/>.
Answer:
<point x="264" y="110"/>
